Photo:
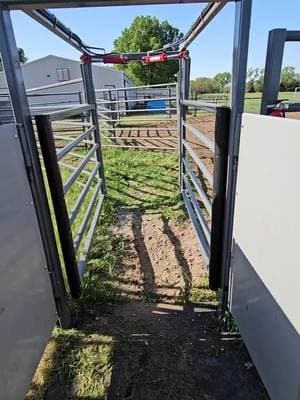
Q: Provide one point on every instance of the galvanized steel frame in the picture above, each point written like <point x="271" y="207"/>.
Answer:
<point x="211" y="241"/>
<point x="10" y="60"/>
<point x="273" y="65"/>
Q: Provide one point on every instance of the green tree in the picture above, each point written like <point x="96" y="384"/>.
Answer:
<point x="259" y="83"/>
<point x="252" y="76"/>
<point x="148" y="33"/>
<point x="221" y="81"/>
<point x="289" y="79"/>
<point x="203" y="85"/>
<point x="22" y="58"/>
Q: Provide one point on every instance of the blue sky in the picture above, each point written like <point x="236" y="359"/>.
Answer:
<point x="211" y="52"/>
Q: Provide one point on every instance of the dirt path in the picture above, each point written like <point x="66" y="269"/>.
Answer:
<point x="162" y="350"/>
<point x="163" y="260"/>
<point x="160" y="343"/>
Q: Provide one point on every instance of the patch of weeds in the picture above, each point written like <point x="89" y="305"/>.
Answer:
<point x="72" y="366"/>
<point x="226" y="323"/>
<point x="200" y="293"/>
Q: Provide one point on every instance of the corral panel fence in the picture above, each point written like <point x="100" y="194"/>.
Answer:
<point x="203" y="190"/>
<point x="71" y="155"/>
<point x="140" y="117"/>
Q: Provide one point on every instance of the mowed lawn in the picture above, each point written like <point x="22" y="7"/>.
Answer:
<point x="253" y="100"/>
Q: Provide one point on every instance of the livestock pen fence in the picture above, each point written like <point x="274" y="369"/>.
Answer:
<point x="231" y="195"/>
<point x="141" y="117"/>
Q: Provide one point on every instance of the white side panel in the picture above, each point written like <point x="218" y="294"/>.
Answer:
<point x="27" y="308"/>
<point x="266" y="264"/>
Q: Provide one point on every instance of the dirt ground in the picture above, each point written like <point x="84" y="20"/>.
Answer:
<point x="164" y="350"/>
<point x="163" y="259"/>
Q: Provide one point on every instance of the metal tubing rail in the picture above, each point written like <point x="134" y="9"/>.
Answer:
<point x="89" y="237"/>
<point x="199" y="232"/>
<point x="76" y="208"/>
<point x="140" y="137"/>
<point x="198" y="210"/>
<point x="139" y="110"/>
<point x="201" y="136"/>
<point x="100" y="101"/>
<point x="200" y="105"/>
<point x="70" y="112"/>
<point x="208" y="176"/>
<point x="79" y="169"/>
<point x="29" y="4"/>
<point x="143" y="128"/>
<point x="87" y="216"/>
<point x="54" y="85"/>
<point x="124" y="89"/>
<point x="143" y="119"/>
<point x="74" y="143"/>
<point x="47" y="144"/>
<point x="198" y="186"/>
<point x="206" y="16"/>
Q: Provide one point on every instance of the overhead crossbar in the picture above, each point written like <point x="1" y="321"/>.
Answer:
<point x="207" y="14"/>
<point x="52" y="23"/>
<point x="30" y="4"/>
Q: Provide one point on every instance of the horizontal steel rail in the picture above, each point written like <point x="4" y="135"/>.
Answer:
<point x="140" y="137"/>
<point x="86" y="218"/>
<point x="70" y="112"/>
<point x="129" y="119"/>
<point x="83" y="258"/>
<point x="54" y="85"/>
<point x="79" y="169"/>
<point x="37" y="4"/>
<point x="140" y="147"/>
<point x="135" y="100"/>
<point x="73" y="214"/>
<point x="199" y="232"/>
<point x="198" y="162"/>
<point x="140" y="128"/>
<point x="198" y="211"/>
<point x="74" y="143"/>
<point x="201" y="136"/>
<point x="154" y="110"/>
<point x="197" y="184"/>
<point x="136" y="87"/>
<point x="209" y="107"/>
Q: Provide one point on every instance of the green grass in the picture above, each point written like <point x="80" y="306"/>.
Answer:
<point x="253" y="100"/>
<point x="140" y="180"/>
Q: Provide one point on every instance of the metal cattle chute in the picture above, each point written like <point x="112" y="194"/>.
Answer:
<point x="232" y="207"/>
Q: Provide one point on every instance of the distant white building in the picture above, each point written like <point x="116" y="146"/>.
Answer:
<point x="59" y="71"/>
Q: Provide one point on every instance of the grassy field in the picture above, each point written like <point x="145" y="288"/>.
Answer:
<point x="253" y="100"/>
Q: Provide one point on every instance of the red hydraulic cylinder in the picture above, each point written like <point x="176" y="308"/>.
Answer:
<point x="162" y="57"/>
<point x="115" y="59"/>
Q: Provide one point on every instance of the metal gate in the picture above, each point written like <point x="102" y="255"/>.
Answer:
<point x="139" y="117"/>
<point x="203" y="190"/>
<point x="73" y="164"/>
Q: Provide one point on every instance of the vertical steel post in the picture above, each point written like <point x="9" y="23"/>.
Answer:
<point x="13" y="73"/>
<point x="47" y="143"/>
<point x="219" y="192"/>
<point x="274" y="58"/>
<point x="90" y="98"/>
<point x="243" y="10"/>
<point x="183" y="93"/>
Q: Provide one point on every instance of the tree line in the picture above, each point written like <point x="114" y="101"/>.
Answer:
<point x="220" y="83"/>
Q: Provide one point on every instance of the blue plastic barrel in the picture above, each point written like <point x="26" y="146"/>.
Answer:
<point x="157" y="106"/>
